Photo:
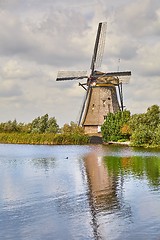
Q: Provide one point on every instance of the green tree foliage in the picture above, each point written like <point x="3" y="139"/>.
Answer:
<point x="35" y="125"/>
<point x="52" y="126"/>
<point x="73" y="133"/>
<point x="10" y="126"/>
<point x="141" y="129"/>
<point x="142" y="135"/>
<point x="72" y="128"/>
<point x="151" y="118"/>
<point x="146" y="127"/>
<point x="44" y="124"/>
<point x="112" y="127"/>
<point x="156" y="139"/>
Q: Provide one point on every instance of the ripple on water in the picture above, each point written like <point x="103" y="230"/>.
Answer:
<point x="98" y="192"/>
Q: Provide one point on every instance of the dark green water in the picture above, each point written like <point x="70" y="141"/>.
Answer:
<point x="79" y="192"/>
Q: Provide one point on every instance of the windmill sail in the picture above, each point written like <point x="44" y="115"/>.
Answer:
<point x="99" y="46"/>
<point x="113" y="77"/>
<point x="71" y="75"/>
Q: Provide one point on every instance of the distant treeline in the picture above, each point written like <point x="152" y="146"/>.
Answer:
<point x="140" y="129"/>
<point x="42" y="130"/>
<point x="42" y="124"/>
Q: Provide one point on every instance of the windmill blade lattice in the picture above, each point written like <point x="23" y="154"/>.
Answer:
<point x="99" y="46"/>
<point x="123" y="77"/>
<point x="71" y="75"/>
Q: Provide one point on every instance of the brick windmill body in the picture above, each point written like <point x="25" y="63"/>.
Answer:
<point x="103" y="90"/>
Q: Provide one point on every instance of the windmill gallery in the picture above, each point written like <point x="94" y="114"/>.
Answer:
<point x="103" y="90"/>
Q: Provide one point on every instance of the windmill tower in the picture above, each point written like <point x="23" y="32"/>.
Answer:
<point x="103" y="90"/>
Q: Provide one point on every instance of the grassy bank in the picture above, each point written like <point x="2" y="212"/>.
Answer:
<point x="43" y="138"/>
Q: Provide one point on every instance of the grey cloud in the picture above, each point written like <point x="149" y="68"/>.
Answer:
<point x="147" y="61"/>
<point x="123" y="48"/>
<point x="13" y="69"/>
<point x="139" y="18"/>
<point x="140" y="95"/>
<point x="9" y="4"/>
<point x="46" y="43"/>
<point x="15" y="38"/>
<point x="10" y="91"/>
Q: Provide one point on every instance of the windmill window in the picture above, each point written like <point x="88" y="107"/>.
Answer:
<point x="104" y="103"/>
<point x="92" y="107"/>
<point x="109" y="98"/>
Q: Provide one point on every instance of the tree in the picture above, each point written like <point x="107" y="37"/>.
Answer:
<point x="44" y="124"/>
<point x="111" y="129"/>
<point x="156" y="139"/>
<point x="11" y="126"/>
<point x="35" y="125"/>
<point x="72" y="128"/>
<point x="153" y="116"/>
<point x="52" y="126"/>
<point x="142" y="135"/>
<point x="145" y="127"/>
<point x="126" y="130"/>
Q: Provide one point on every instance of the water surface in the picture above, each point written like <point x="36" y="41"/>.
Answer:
<point x="79" y="192"/>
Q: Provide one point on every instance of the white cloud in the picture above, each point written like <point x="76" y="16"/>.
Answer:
<point x="148" y="60"/>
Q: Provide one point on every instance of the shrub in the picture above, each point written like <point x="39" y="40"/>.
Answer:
<point x="112" y="129"/>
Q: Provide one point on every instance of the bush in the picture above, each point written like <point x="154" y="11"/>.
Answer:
<point x="145" y="127"/>
<point x="112" y="129"/>
<point x="142" y="135"/>
<point x="156" y="138"/>
<point x="72" y="128"/>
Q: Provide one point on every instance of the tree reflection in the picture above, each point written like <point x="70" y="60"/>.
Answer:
<point x="140" y="167"/>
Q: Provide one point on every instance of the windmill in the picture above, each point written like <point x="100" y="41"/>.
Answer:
<point x="103" y="90"/>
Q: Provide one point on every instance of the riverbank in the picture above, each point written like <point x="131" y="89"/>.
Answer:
<point x="60" y="139"/>
<point x="127" y="143"/>
<point x="130" y="144"/>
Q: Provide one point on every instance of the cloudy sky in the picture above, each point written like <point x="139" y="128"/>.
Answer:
<point x="38" y="38"/>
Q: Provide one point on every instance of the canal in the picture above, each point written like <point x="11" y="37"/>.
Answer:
<point x="79" y="192"/>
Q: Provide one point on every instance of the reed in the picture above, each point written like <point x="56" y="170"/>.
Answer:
<point x="44" y="138"/>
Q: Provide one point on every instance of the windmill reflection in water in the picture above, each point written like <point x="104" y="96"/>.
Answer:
<point x="105" y="191"/>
